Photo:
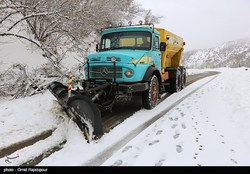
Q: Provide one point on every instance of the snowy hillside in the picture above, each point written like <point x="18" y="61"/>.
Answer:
<point x="231" y="54"/>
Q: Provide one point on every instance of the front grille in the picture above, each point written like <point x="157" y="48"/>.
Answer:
<point x="105" y="72"/>
<point x="117" y="59"/>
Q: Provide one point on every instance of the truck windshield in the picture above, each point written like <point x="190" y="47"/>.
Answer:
<point x="136" y="40"/>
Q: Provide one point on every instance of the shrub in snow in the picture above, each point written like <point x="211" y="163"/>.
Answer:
<point x="19" y="81"/>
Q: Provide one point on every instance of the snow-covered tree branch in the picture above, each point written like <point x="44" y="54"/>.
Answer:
<point x="60" y="27"/>
<point x="21" y="37"/>
<point x="55" y="24"/>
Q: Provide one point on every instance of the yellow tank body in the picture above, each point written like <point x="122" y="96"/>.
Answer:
<point x="172" y="57"/>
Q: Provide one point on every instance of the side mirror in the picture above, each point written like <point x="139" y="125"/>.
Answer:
<point x="97" y="48"/>
<point x="163" y="46"/>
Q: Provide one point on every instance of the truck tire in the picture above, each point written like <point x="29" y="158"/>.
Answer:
<point x="150" y="96"/>
<point x="183" y="78"/>
<point x="175" y="83"/>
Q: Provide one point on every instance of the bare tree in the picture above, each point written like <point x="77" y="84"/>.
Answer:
<point x="59" y="26"/>
<point x="56" y="27"/>
<point x="149" y="18"/>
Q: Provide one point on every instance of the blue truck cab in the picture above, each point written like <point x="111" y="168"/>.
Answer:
<point x="128" y="57"/>
<point x="133" y="50"/>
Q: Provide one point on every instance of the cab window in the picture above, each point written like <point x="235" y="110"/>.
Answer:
<point x="156" y="43"/>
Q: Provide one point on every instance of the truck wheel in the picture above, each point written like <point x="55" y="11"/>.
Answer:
<point x="175" y="83"/>
<point x="150" y="96"/>
<point x="87" y="116"/>
<point x="183" y="78"/>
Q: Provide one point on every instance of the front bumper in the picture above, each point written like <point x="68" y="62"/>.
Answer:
<point x="134" y="87"/>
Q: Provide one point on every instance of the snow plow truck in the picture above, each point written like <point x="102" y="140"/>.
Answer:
<point x="129" y="60"/>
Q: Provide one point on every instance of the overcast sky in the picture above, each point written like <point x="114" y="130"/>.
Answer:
<point x="203" y="23"/>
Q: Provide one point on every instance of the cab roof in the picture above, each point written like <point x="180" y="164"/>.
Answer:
<point x="129" y="28"/>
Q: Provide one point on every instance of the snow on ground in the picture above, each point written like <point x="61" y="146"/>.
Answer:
<point x="196" y="71"/>
<point x="23" y="118"/>
<point x="14" y="50"/>
<point x="209" y="128"/>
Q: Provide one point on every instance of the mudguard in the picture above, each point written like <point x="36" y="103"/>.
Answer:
<point x="148" y="75"/>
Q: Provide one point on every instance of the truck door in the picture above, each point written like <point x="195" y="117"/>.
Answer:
<point x="157" y="52"/>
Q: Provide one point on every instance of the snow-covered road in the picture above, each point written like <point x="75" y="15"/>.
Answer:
<point x="209" y="128"/>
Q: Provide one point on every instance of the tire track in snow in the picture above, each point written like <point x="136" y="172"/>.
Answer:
<point x="47" y="153"/>
<point x="34" y="153"/>
<point x="5" y="151"/>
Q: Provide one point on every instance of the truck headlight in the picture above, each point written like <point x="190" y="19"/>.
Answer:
<point x="129" y="73"/>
